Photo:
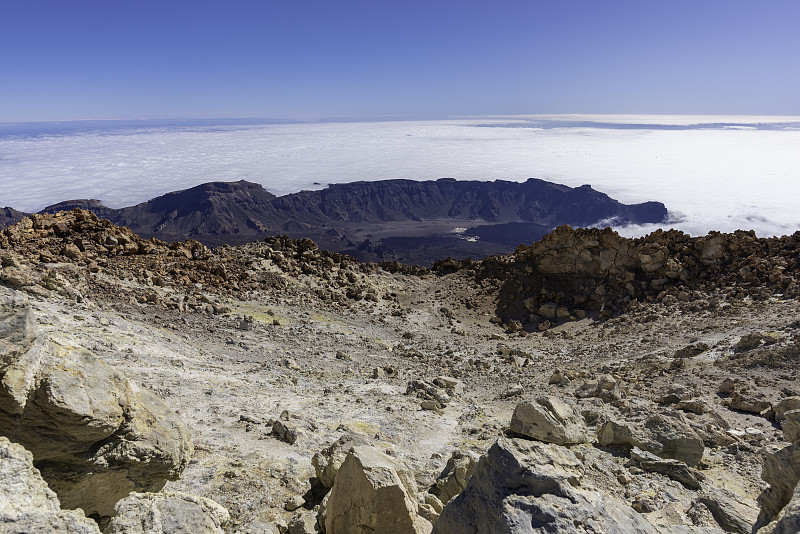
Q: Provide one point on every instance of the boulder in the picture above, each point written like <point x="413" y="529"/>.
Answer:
<point x="27" y="504"/>
<point x="674" y="469"/>
<point x="327" y="462"/>
<point x="94" y="436"/>
<point x="747" y="403"/>
<point x="782" y="472"/>
<point x="784" y="405"/>
<point x="167" y="513"/>
<point x="729" y="511"/>
<point x="668" y="437"/>
<point x="788" y="521"/>
<point x="302" y="523"/>
<point x="285" y="431"/>
<point x="527" y="487"/>
<point x="549" y="419"/>
<point x="430" y="507"/>
<point x="454" y="477"/>
<point x="791" y="426"/>
<point x="373" y="494"/>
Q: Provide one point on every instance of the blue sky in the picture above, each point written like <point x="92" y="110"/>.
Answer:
<point x="384" y="58"/>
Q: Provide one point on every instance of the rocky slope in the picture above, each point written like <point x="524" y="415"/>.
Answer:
<point x="316" y="387"/>
<point x="416" y="222"/>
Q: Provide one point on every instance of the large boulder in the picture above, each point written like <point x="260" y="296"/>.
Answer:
<point x="372" y="494"/>
<point x="666" y="436"/>
<point x="549" y="419"/>
<point x="167" y="513"/>
<point x="782" y="472"/>
<point x="730" y="512"/>
<point x="526" y="487"/>
<point x="94" y="435"/>
<point x="788" y="521"/>
<point x="27" y="504"/>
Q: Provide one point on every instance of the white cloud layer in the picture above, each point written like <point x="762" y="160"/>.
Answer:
<point x="742" y="173"/>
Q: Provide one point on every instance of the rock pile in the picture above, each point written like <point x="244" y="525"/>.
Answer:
<point x="573" y="270"/>
<point x="32" y="250"/>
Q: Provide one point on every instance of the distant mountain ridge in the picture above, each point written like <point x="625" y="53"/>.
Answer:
<point x="390" y="219"/>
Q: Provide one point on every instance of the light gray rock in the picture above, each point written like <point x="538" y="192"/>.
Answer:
<point x="430" y="507"/>
<point x="791" y="426"/>
<point x="523" y="486"/>
<point x="668" y="437"/>
<point x="27" y="504"/>
<point x="94" y="436"/>
<point x="747" y="403"/>
<point x="784" y="405"/>
<point x="549" y="419"/>
<point x="167" y="513"/>
<point x="302" y="523"/>
<point x="452" y="385"/>
<point x="372" y="493"/>
<point x="782" y="472"/>
<point x="293" y="503"/>
<point x="675" y="469"/>
<point x="730" y="513"/>
<point x="788" y="521"/>
<point x="455" y="476"/>
<point x="258" y="525"/>
<point x="327" y="462"/>
<point x="606" y="388"/>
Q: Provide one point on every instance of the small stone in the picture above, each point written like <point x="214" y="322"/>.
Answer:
<point x="430" y="405"/>
<point x="726" y="387"/>
<point x="285" y="432"/>
<point x="512" y="391"/>
<point x="293" y="503"/>
<point x="690" y="351"/>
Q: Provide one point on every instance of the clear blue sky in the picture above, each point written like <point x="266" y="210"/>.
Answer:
<point x="337" y="58"/>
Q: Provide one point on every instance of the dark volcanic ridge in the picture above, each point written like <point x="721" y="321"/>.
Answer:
<point x="415" y="222"/>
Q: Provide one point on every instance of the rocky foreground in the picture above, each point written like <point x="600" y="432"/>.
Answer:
<point x="588" y="383"/>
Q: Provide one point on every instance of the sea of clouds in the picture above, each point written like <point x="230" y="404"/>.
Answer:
<point x="713" y="173"/>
